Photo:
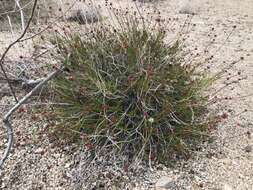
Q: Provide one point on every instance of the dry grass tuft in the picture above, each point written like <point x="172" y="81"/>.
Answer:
<point x="129" y="92"/>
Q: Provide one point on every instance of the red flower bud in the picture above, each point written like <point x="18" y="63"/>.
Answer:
<point x="21" y="110"/>
<point x="105" y="107"/>
<point x="89" y="146"/>
<point x="224" y="116"/>
<point x="149" y="71"/>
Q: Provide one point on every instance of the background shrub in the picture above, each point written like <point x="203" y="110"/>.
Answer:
<point x="129" y="92"/>
<point x="9" y="8"/>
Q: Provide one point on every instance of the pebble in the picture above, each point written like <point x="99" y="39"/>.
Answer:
<point x="85" y="16"/>
<point x="67" y="165"/>
<point x="187" y="8"/>
<point x="248" y="149"/>
<point x="197" y="179"/>
<point x="227" y="187"/>
<point x="226" y="161"/>
<point x="39" y="151"/>
<point x="163" y="183"/>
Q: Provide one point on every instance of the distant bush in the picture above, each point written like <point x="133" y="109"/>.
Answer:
<point x="9" y="8"/>
<point x="129" y="92"/>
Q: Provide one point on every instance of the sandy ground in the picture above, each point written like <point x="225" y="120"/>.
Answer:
<point x="227" y="163"/>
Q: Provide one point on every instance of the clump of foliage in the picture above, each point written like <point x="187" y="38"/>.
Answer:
<point x="130" y="92"/>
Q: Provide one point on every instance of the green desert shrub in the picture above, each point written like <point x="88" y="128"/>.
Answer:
<point x="129" y="91"/>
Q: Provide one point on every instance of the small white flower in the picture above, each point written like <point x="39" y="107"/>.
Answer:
<point x="151" y="120"/>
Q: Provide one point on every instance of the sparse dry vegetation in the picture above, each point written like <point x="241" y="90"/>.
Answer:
<point x="125" y="94"/>
<point x="130" y="92"/>
<point x="12" y="15"/>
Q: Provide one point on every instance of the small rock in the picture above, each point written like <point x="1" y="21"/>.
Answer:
<point x="160" y="167"/>
<point x="163" y="183"/>
<point x="22" y="143"/>
<point x="191" y="171"/>
<point x="67" y="165"/>
<point x="248" y="148"/>
<point x="248" y="134"/>
<point x="39" y="151"/>
<point x="226" y="161"/>
<point x="85" y="16"/>
<point x="241" y="176"/>
<point x="187" y="8"/>
<point x="197" y="179"/>
<point x="201" y="185"/>
<point x="227" y="187"/>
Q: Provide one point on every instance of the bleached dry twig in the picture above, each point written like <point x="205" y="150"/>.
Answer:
<point x="9" y="20"/>
<point x="19" y="103"/>
<point x="21" y="15"/>
<point x="6" y="118"/>
<point x="11" y="45"/>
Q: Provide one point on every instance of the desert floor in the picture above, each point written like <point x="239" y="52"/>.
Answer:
<point x="227" y="163"/>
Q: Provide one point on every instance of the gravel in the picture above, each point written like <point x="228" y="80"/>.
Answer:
<point x="37" y="162"/>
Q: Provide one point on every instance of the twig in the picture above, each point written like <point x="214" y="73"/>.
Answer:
<point x="39" y="104"/>
<point x="49" y="25"/>
<point x="24" y="99"/>
<point x="6" y="118"/>
<point x="21" y="15"/>
<point x="10" y="46"/>
<point x="9" y="20"/>
<point x="15" y="10"/>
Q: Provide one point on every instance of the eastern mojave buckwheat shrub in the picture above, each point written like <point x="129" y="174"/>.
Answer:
<point x="130" y="92"/>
